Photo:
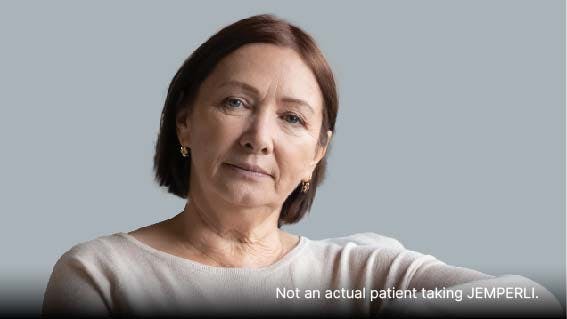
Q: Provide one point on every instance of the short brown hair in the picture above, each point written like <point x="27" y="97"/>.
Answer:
<point x="173" y="170"/>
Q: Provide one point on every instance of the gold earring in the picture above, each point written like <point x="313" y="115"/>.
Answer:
<point x="305" y="186"/>
<point x="184" y="151"/>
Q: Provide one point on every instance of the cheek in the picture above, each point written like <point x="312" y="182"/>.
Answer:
<point x="213" y="136"/>
<point x="295" y="157"/>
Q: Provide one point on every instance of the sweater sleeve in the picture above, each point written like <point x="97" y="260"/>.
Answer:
<point x="72" y="290"/>
<point x="464" y="292"/>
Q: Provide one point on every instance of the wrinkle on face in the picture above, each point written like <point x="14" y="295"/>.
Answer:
<point x="269" y="77"/>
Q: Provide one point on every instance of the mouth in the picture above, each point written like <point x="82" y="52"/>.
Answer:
<point x="250" y="169"/>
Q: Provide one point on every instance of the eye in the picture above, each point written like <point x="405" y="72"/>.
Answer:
<point x="232" y="102"/>
<point x="292" y="118"/>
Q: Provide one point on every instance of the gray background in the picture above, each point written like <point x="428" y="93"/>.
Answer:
<point x="450" y="134"/>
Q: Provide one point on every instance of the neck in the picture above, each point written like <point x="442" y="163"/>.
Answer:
<point x="231" y="237"/>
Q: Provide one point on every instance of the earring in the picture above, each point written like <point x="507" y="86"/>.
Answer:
<point x="184" y="151"/>
<point x="305" y="186"/>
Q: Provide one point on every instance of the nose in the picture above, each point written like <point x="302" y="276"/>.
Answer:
<point x="258" y="135"/>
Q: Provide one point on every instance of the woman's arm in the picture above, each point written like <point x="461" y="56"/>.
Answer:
<point x="466" y="292"/>
<point x="72" y="290"/>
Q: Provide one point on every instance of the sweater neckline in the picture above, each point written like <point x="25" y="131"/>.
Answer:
<point x="285" y="260"/>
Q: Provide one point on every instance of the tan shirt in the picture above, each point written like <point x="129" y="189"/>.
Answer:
<point x="118" y="274"/>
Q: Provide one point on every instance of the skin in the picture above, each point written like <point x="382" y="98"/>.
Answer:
<point x="261" y="104"/>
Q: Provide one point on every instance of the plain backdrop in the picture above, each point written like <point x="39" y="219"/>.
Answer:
<point x="450" y="135"/>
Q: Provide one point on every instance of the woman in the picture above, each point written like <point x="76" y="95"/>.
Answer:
<point x="246" y="125"/>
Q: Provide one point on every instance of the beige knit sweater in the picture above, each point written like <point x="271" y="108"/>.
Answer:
<point x="118" y="274"/>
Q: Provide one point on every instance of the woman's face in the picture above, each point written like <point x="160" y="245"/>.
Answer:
<point x="260" y="109"/>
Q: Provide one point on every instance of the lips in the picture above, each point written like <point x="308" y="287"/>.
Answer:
<point x="250" y="167"/>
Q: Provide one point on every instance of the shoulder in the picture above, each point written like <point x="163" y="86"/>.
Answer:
<point x="364" y="239"/>
<point x="96" y="251"/>
<point x="82" y="276"/>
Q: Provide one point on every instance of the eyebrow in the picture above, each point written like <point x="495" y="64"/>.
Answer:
<point x="255" y="91"/>
<point x="242" y="85"/>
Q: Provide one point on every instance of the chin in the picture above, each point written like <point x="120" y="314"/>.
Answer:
<point x="244" y="196"/>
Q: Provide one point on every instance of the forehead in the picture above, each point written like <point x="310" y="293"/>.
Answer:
<point x="266" y="67"/>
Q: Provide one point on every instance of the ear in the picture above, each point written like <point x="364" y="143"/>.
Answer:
<point x="321" y="151"/>
<point x="183" y="126"/>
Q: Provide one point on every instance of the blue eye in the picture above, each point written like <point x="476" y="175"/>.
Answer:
<point x="292" y="118"/>
<point x="233" y="102"/>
